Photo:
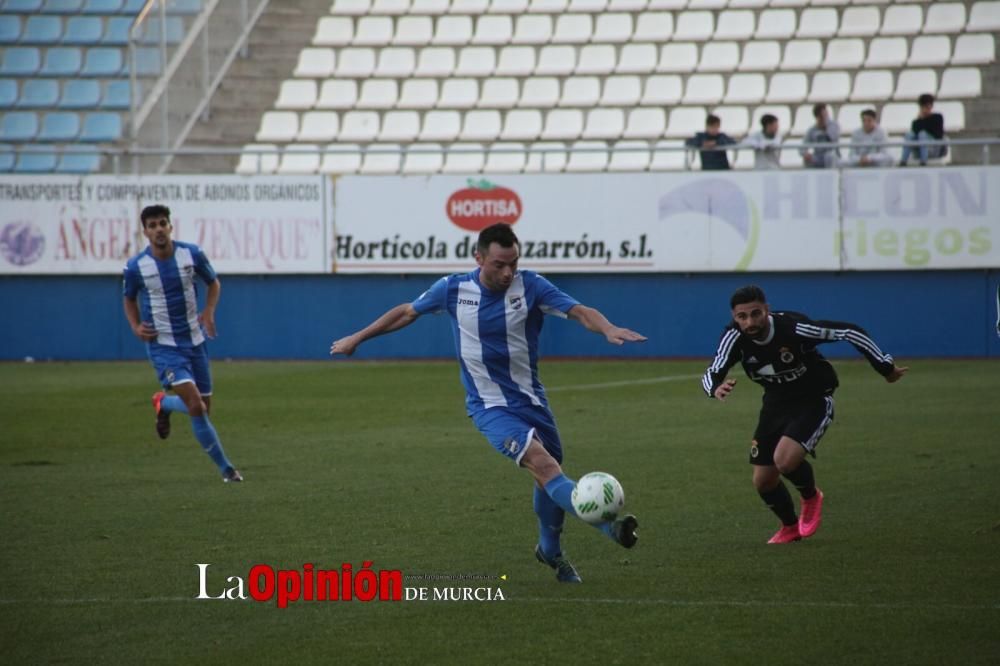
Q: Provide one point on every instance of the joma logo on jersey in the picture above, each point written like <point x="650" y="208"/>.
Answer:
<point x="467" y="301"/>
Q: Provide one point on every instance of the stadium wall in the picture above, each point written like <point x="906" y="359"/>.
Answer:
<point x="910" y="313"/>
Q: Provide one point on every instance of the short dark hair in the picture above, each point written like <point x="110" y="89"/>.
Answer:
<point x="870" y="113"/>
<point x="712" y="120"/>
<point x="926" y="99"/>
<point x="767" y="119"/>
<point x="156" y="210"/>
<point x="499" y="233"/>
<point x="748" y="294"/>
<point x="818" y="109"/>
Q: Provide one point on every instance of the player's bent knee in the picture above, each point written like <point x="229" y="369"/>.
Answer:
<point x="540" y="463"/>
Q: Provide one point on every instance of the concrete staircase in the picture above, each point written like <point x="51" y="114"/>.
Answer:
<point x="252" y="84"/>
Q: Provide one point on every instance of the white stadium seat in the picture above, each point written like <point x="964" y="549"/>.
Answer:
<point x="613" y="28"/>
<point x="562" y="124"/>
<point x="661" y="90"/>
<point x="735" y="120"/>
<point x="395" y="62"/>
<point x="587" y="6"/>
<point x="588" y="156"/>
<point x="678" y="58"/>
<point x="580" y="91"/>
<point x="830" y="87"/>
<point x="719" y="57"/>
<point x="654" y="27"/>
<point x="480" y="126"/>
<point x="373" y="31"/>
<point x="430" y="7"/>
<point x="897" y="117"/>
<point x="622" y="90"/>
<point x="974" y="50"/>
<point x="278" y="126"/>
<point x="707" y="4"/>
<point x="902" y="20"/>
<point x="929" y="51"/>
<point x="802" y="54"/>
<point x="532" y="29"/>
<point x="872" y="85"/>
<point x="382" y="158"/>
<point x="984" y="17"/>
<point x="351" y="7"/>
<point x="912" y="83"/>
<point x="515" y="61"/>
<point x="695" y="26"/>
<point x="817" y="22"/>
<point x="496" y="30"/>
<point x="459" y="94"/>
<point x="945" y="17"/>
<point x="539" y="92"/>
<point x="515" y="7"/>
<point x="787" y="87"/>
<point x="703" y="89"/>
<point x="471" y="7"/>
<point x="337" y="94"/>
<point x="297" y="94"/>
<point x="627" y="5"/>
<point x="435" y="61"/>
<point x="499" y="93"/>
<point x="556" y="60"/>
<point x="573" y="29"/>
<point x="760" y="56"/>
<point x="804" y="119"/>
<point x="954" y="115"/>
<point x="737" y="25"/>
<point x="263" y="162"/>
<point x="645" y="123"/>
<point x="440" y="126"/>
<point x="359" y="126"/>
<point x="636" y="59"/>
<point x="341" y="158"/>
<point x="629" y="155"/>
<point x="355" y="63"/>
<point x="775" y="24"/>
<point x="849" y="117"/>
<point x="318" y="63"/>
<point x="958" y="82"/>
<point x="390" y="7"/>
<point x="521" y="125"/>
<point x="886" y="52"/>
<point x="300" y="158"/>
<point x="334" y="31"/>
<point x="844" y="54"/>
<point x="319" y="126"/>
<point x="413" y="31"/>
<point x="860" y="22"/>
<point x="596" y="59"/>
<point x="547" y="6"/>
<point x="505" y="157"/>
<point x="668" y="156"/>
<point x="746" y="89"/>
<point x="547" y="156"/>
<point x="604" y="124"/>
<point x="400" y="126"/>
<point x="418" y="94"/>
<point x="452" y="31"/>
<point x="685" y="121"/>
<point x="423" y="158"/>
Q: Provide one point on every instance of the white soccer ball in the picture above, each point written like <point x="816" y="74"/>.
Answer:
<point x="598" y="497"/>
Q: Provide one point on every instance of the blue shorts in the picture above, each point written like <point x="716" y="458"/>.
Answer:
<point x="177" y="365"/>
<point x="510" y="430"/>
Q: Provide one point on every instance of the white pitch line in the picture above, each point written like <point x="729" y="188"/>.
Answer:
<point x="689" y="603"/>
<point x="623" y="382"/>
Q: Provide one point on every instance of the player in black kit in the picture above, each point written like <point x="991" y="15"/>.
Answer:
<point x="778" y="351"/>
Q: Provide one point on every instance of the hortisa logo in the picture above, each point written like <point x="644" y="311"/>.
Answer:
<point x="482" y="204"/>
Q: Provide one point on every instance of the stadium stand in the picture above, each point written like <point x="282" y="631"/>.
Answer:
<point x="429" y="75"/>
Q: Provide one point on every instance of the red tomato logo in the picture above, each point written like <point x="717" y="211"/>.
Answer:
<point x="482" y="204"/>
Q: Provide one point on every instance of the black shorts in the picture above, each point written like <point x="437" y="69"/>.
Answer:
<point x="805" y="421"/>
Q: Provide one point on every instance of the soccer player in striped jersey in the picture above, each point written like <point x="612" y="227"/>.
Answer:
<point x="496" y="314"/>
<point x="164" y="274"/>
<point x="778" y="351"/>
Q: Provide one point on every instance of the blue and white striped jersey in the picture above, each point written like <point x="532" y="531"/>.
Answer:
<point x="169" y="297"/>
<point x="496" y="334"/>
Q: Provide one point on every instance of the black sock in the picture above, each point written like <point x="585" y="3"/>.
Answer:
<point x="802" y="478"/>
<point x="780" y="501"/>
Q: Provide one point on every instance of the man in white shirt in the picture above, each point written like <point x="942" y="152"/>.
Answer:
<point x="766" y="144"/>
<point x="868" y="144"/>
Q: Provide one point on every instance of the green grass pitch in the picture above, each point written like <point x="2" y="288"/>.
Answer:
<point x="101" y="523"/>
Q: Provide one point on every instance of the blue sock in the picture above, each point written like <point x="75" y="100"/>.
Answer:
<point x="550" y="523"/>
<point x="560" y="489"/>
<point x="173" y="403"/>
<point x="205" y="433"/>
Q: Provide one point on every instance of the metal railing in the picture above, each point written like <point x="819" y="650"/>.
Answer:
<point x="118" y="160"/>
<point x="161" y="119"/>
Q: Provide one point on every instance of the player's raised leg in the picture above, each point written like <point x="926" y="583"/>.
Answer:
<point x="204" y="431"/>
<point x="767" y="481"/>
<point x="790" y="460"/>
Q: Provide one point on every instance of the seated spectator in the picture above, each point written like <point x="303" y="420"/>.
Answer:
<point x="826" y="130"/>
<point x="928" y="126"/>
<point x="712" y="137"/>
<point x="868" y="144"/>
<point x="766" y="144"/>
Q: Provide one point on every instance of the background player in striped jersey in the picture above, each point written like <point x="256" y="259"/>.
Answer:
<point x="164" y="274"/>
<point x="496" y="314"/>
<point x="778" y="351"/>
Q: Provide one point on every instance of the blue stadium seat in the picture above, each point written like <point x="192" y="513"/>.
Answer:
<point x="116" y="30"/>
<point x="102" y="7"/>
<point x="80" y="94"/>
<point x="103" y="62"/>
<point x="184" y="7"/>
<point x="79" y="159"/>
<point x="147" y="62"/>
<point x="116" y="95"/>
<point x="62" y="61"/>
<point x="60" y="126"/>
<point x="21" y="61"/>
<point x="8" y="93"/>
<point x="22" y="6"/>
<point x="6" y="157"/>
<point x="10" y="29"/>
<point x="84" y="30"/>
<point x="42" y="30"/>
<point x="62" y="6"/>
<point x="38" y="94"/>
<point x="101" y="127"/>
<point x="18" y="126"/>
<point x="174" y="30"/>
<point x="36" y="159"/>
<point x="133" y="6"/>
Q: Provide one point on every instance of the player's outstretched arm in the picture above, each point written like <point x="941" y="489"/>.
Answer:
<point x="398" y="317"/>
<point x="593" y="320"/>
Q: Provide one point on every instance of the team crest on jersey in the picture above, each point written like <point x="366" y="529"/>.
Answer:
<point x="516" y="302"/>
<point x="512" y="445"/>
<point x="170" y="376"/>
<point x="754" y="451"/>
<point x="786" y="355"/>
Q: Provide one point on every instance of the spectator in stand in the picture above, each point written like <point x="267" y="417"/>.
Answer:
<point x="766" y="144"/>
<point x="868" y="144"/>
<point x="928" y="126"/>
<point x="826" y="130"/>
<point x="712" y="137"/>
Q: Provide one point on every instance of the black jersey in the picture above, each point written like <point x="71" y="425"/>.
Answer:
<point x="787" y="363"/>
